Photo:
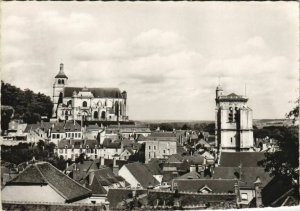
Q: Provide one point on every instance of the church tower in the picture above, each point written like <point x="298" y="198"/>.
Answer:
<point x="233" y="123"/>
<point x="58" y="88"/>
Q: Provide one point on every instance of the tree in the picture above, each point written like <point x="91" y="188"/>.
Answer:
<point x="285" y="161"/>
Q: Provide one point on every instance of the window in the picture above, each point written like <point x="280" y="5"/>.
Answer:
<point x="84" y="104"/>
<point x="72" y="135"/>
<point x="53" y="135"/>
<point x="60" y="151"/>
<point x="66" y="151"/>
<point x="149" y="147"/>
<point x="154" y="147"/>
<point x="231" y="139"/>
<point x="59" y="81"/>
<point x="103" y="115"/>
<point x="244" y="196"/>
<point x="230" y="115"/>
<point x="76" y="135"/>
<point x="58" y="136"/>
<point x="149" y="154"/>
<point x="164" y="151"/>
<point x="62" y="81"/>
<point x="96" y="115"/>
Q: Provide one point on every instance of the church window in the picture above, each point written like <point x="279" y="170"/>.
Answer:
<point x="62" y="81"/>
<point x="103" y="115"/>
<point x="84" y="104"/>
<point x="59" y="82"/>
<point x="230" y="117"/>
<point x="96" y="115"/>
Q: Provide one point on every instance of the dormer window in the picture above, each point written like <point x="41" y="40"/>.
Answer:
<point x="205" y="189"/>
<point x="84" y="104"/>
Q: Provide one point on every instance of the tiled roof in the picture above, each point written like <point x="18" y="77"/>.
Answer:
<point x="248" y="177"/>
<point x="58" y="127"/>
<point x="115" y="196"/>
<point x="175" y="158"/>
<point x="154" y="167"/>
<point x="198" y="159"/>
<point x="162" y="134"/>
<point x="142" y="174"/>
<point x="71" y="126"/>
<point x="190" y="175"/>
<point x="194" y="185"/>
<point x="247" y="159"/>
<point x="92" y="144"/>
<point x="45" y="173"/>
<point x="97" y="92"/>
<point x="31" y="127"/>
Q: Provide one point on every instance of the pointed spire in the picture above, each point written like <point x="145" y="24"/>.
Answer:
<point x="61" y="73"/>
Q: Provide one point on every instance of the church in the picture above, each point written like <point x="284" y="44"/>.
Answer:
<point x="233" y="122"/>
<point x="87" y="104"/>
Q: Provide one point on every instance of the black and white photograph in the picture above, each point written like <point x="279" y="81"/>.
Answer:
<point x="149" y="105"/>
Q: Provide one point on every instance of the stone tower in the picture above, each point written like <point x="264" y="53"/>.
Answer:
<point x="58" y="87"/>
<point x="233" y="122"/>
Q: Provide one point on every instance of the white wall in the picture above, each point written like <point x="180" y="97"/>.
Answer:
<point x="125" y="173"/>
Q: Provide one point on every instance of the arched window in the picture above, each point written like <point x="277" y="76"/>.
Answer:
<point x="84" y="104"/>
<point x="59" y="82"/>
<point x="96" y="115"/>
<point x="121" y="108"/>
<point x="62" y="81"/>
<point x="103" y="115"/>
<point x="117" y="108"/>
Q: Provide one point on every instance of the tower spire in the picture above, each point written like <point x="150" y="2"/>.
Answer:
<point x="61" y="73"/>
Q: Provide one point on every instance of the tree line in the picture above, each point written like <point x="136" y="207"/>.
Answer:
<point x="23" y="104"/>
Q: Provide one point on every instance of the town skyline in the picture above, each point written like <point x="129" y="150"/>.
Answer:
<point x="169" y="68"/>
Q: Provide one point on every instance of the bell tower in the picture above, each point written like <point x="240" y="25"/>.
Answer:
<point x="58" y="87"/>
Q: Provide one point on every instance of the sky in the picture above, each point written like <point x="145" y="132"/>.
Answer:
<point x="168" y="56"/>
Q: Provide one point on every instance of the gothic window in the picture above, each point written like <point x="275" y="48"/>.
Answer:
<point x="116" y="108"/>
<point x="230" y="116"/>
<point x="103" y="115"/>
<point x="96" y="115"/>
<point x="84" y="104"/>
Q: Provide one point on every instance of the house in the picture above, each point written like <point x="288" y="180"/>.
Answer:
<point x="117" y="197"/>
<point x="126" y="154"/>
<point x="130" y="131"/>
<point x="45" y="183"/>
<point x="160" y="145"/>
<point x="138" y="175"/>
<point x="204" y="185"/>
<point x="246" y="177"/>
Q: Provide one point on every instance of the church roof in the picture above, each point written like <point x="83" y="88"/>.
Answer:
<point x="97" y="92"/>
<point x="246" y="159"/>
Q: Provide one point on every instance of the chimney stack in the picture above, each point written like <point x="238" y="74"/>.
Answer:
<point x="192" y="168"/>
<point x="101" y="161"/>
<point x="258" y="197"/>
<point x="115" y="167"/>
<point x="91" y="177"/>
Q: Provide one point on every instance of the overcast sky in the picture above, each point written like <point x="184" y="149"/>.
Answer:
<point x="166" y="55"/>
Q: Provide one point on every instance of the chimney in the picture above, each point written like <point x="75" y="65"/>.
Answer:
<point x="258" y="197"/>
<point x="91" y="177"/>
<point x="102" y="161"/>
<point x="115" y="167"/>
<point x="204" y="161"/>
<point x="192" y="168"/>
<point x="237" y="192"/>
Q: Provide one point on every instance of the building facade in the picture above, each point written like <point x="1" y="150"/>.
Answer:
<point x="233" y="123"/>
<point x="88" y="104"/>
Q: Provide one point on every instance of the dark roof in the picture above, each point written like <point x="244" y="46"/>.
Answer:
<point x="154" y="166"/>
<point x="61" y="73"/>
<point x="71" y="126"/>
<point x="175" y="158"/>
<point x="45" y="173"/>
<point x="58" y="127"/>
<point x="110" y="162"/>
<point x="31" y="127"/>
<point x="162" y="134"/>
<point x="190" y="175"/>
<point x="77" y="144"/>
<point x="194" y="185"/>
<point x="142" y="174"/>
<point x="97" y="92"/>
<point x="248" y="177"/>
<point x="198" y="159"/>
<point x="247" y="159"/>
<point x="108" y="143"/>
<point x="115" y="196"/>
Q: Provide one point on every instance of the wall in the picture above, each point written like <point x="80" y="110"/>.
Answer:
<point x="128" y="177"/>
<point x="37" y="194"/>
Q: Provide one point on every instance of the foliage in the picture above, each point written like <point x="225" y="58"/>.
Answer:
<point x="285" y="161"/>
<point x="294" y="113"/>
<point x="6" y="115"/>
<point x="27" y="105"/>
